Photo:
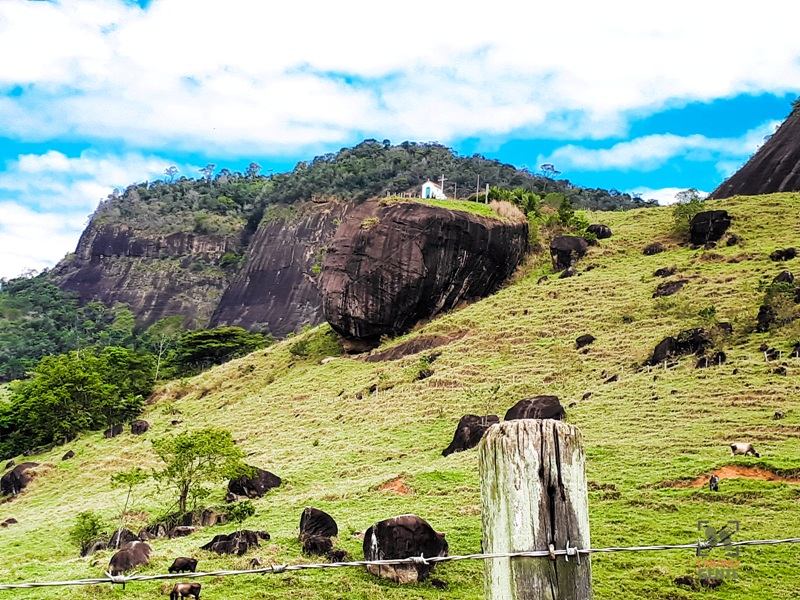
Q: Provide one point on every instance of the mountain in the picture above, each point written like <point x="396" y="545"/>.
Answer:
<point x="775" y="167"/>
<point x="245" y="249"/>
<point x="362" y="439"/>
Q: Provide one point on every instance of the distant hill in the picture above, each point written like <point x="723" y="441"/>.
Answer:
<point x="775" y="167"/>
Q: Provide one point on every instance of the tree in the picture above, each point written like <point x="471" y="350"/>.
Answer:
<point x="687" y="206"/>
<point x="204" y="348"/>
<point x="208" y="171"/>
<point x="127" y="480"/>
<point x="193" y="460"/>
<point x="549" y="171"/>
<point x="171" y="172"/>
<point x="88" y="528"/>
<point x="252" y="170"/>
<point x="239" y="512"/>
<point x="161" y="337"/>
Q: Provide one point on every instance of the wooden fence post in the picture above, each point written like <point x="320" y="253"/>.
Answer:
<point x="534" y="494"/>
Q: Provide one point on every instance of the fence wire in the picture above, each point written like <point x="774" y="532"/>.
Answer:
<point x="551" y="553"/>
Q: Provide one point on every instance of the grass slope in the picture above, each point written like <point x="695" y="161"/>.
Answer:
<point x="334" y="443"/>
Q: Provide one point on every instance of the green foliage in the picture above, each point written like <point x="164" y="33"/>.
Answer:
<point x="88" y="528"/>
<point x="194" y="460"/>
<point x="75" y="392"/>
<point x="317" y="343"/>
<point x="239" y="512"/>
<point x="781" y="297"/>
<point x="198" y="350"/>
<point x="684" y="210"/>
<point x="370" y="222"/>
<point x="420" y="369"/>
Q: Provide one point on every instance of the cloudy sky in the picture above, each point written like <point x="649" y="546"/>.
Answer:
<point x="652" y="97"/>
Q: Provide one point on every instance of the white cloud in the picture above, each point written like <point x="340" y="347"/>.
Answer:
<point x="46" y="200"/>
<point x="664" y="196"/>
<point x="266" y="78"/>
<point x="654" y="151"/>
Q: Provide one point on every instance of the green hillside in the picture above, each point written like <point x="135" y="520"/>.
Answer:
<point x="334" y="442"/>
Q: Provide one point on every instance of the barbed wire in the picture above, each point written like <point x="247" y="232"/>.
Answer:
<point x="552" y="553"/>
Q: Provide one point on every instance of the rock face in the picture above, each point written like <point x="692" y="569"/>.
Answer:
<point x="391" y="266"/>
<point x="276" y="289"/>
<point x="775" y="167"/>
<point x="132" y="555"/>
<point x="709" y="226"/>
<point x="317" y="522"/>
<point x="237" y="542"/>
<point x="566" y="249"/>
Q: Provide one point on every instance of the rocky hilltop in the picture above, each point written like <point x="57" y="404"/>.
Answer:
<point x="392" y="265"/>
<point x="775" y="167"/>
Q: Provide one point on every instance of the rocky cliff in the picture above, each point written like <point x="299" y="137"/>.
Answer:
<point x="392" y="265"/>
<point x="156" y="275"/>
<point x="775" y="167"/>
<point x="276" y="289"/>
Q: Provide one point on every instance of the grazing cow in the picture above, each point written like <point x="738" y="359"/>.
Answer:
<point x="713" y="483"/>
<point x="538" y="407"/>
<point x="185" y="590"/>
<point x="132" y="555"/>
<point x="743" y="448"/>
<point x="403" y="537"/>
<point x="469" y="431"/>
<point x="183" y="564"/>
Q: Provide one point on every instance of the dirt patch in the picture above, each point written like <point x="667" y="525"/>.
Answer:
<point x="419" y="344"/>
<point x="737" y="472"/>
<point x="396" y="485"/>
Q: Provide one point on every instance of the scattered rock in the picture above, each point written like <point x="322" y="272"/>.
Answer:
<point x="120" y="537"/>
<point x="542" y="280"/>
<point x="612" y="379"/>
<point x="586" y="396"/>
<point x="654" y="248"/>
<point x="779" y="371"/>
<point x="778" y="415"/>
<point x="732" y="240"/>
<point x="256" y="486"/>
<point x="538" y="407"/>
<point x="565" y="250"/>
<point x="181" y="531"/>
<point x="68" y="455"/>
<point x="113" y="431"/>
<point x="469" y="431"/>
<point x="664" y="272"/>
<point x="667" y="288"/>
<point x="783" y="255"/>
<point x="139" y="426"/>
<point x="175" y="422"/>
<point x="413" y="346"/>
<point x="568" y="272"/>
<point x="10" y="464"/>
<point x="210" y="517"/>
<point x="784" y="276"/>
<point x="713" y="360"/>
<point x="438" y="584"/>
<point x="690" y="341"/>
<point x="15" y="480"/>
<point x="765" y="319"/>
<point x="584" y="340"/>
<point x="9" y="521"/>
<point x="237" y="542"/>
<point x="708" y="226"/>
<point x="600" y="231"/>
<point x="316" y="545"/>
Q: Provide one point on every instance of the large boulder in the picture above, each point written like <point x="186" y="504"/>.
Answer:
<point x="403" y="537"/>
<point x="392" y="266"/>
<point x="600" y="231"/>
<point x="314" y="521"/>
<point x="565" y="250"/>
<point x="254" y="487"/>
<point x="709" y="226"/>
<point x="15" y="480"/>
<point x="538" y="407"/>
<point x="690" y="341"/>
<point x="237" y="542"/>
<point x="139" y="426"/>
<point x="130" y="556"/>
<point x="469" y="431"/>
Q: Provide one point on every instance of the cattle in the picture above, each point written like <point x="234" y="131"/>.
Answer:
<point x="744" y="449"/>
<point x="317" y="522"/>
<point x="565" y="250"/>
<point x="713" y="483"/>
<point x="185" y="590"/>
<point x="130" y="556"/>
<point x="183" y="564"/>
<point x="600" y="231"/>
<point x="469" y="431"/>
<point x="255" y="486"/>
<point x="538" y="407"/>
<point x="403" y="537"/>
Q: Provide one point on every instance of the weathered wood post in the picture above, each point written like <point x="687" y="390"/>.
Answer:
<point x="534" y="495"/>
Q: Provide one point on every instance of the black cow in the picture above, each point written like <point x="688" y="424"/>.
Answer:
<point x="469" y="431"/>
<point x="538" y="407"/>
<point x="130" y="556"/>
<point x="183" y="564"/>
<point x="403" y="537"/>
<point x="185" y="590"/>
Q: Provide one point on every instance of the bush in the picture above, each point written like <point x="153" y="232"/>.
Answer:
<point x="89" y="528"/>
<point x="317" y="343"/>
<point x="239" y="512"/>
<point x="688" y="205"/>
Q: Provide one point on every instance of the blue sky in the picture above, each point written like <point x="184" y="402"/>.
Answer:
<point x="649" y="97"/>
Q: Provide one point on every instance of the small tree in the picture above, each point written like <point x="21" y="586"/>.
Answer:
<point x="687" y="206"/>
<point x="88" y="528"/>
<point x="193" y="460"/>
<point x="128" y="480"/>
<point x="239" y="512"/>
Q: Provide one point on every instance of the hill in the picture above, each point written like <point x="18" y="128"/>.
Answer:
<point x="346" y="434"/>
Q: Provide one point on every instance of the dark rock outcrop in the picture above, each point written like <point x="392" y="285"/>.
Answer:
<point x="775" y="167"/>
<point x="712" y="360"/>
<point x="783" y="255"/>
<point x="317" y="522"/>
<point x="766" y="317"/>
<point x="565" y="250"/>
<point x="538" y="407"/>
<point x="15" y="480"/>
<point x="664" y="272"/>
<point x="667" y="288"/>
<point x="130" y="556"/>
<point x="469" y="431"/>
<point x="584" y="340"/>
<point x="654" y="248"/>
<point x="784" y="277"/>
<point x="237" y="542"/>
<point x="139" y="426"/>
<point x="392" y="266"/>
<point x="254" y="487"/>
<point x="181" y="531"/>
<point x="69" y="454"/>
<point x="691" y="341"/>
<point x="709" y="226"/>
<point x="403" y="537"/>
<point x="121" y="537"/>
<point x="113" y="431"/>
<point x="8" y="522"/>
<point x="600" y="231"/>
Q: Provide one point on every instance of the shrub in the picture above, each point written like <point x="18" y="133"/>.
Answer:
<point x="683" y="211"/>
<point x="89" y="527"/>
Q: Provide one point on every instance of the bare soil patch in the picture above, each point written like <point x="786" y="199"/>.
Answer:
<point x="737" y="472"/>
<point x="396" y="485"/>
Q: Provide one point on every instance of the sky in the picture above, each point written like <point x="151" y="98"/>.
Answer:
<point x="648" y="97"/>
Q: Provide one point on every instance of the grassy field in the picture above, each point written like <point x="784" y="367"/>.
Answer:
<point x="335" y="444"/>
